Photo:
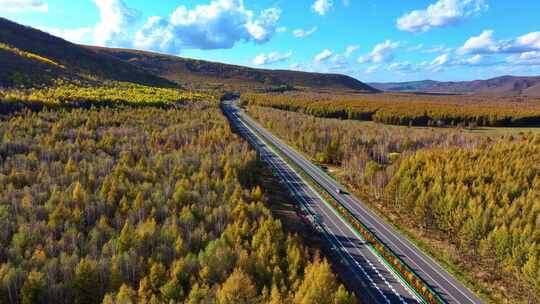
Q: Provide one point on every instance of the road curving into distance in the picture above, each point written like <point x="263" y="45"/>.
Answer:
<point x="379" y="283"/>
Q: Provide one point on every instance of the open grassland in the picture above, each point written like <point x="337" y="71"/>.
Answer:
<point x="471" y="198"/>
<point x="408" y="109"/>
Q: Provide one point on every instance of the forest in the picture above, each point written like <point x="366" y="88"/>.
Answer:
<point x="108" y="93"/>
<point x="408" y="109"/>
<point x="477" y="197"/>
<point x="122" y="182"/>
<point x="123" y="203"/>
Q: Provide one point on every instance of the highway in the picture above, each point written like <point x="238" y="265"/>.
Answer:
<point x="373" y="280"/>
<point x="383" y="285"/>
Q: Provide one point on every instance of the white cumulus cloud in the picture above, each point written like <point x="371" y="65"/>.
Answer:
<point x="79" y="35"/>
<point x="324" y="55"/>
<point x="218" y="25"/>
<point x="300" y="33"/>
<point x="341" y="61"/>
<point x="272" y="57"/>
<point x="321" y="7"/>
<point x="112" y="29"/>
<point x="15" y="6"/>
<point x="486" y="43"/>
<point x="350" y="50"/>
<point x="115" y="19"/>
<point x="401" y="67"/>
<point x="439" y="63"/>
<point x="475" y="60"/>
<point x="440" y="14"/>
<point x="372" y="69"/>
<point x="526" y="43"/>
<point x="263" y="27"/>
<point x="526" y="59"/>
<point x="441" y="60"/>
<point x="383" y="52"/>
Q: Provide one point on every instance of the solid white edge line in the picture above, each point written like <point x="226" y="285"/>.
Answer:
<point x="430" y="263"/>
<point x="398" y="279"/>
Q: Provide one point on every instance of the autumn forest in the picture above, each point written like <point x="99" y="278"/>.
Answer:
<point x="143" y="205"/>
<point x="124" y="179"/>
<point x="473" y="200"/>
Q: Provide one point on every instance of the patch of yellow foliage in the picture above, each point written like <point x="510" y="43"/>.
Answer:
<point x="29" y="55"/>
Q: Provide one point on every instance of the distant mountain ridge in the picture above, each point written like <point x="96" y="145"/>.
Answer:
<point x="504" y="85"/>
<point x="30" y="57"/>
<point x="194" y="72"/>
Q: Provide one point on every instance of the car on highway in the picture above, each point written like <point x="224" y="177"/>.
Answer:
<point x="339" y="191"/>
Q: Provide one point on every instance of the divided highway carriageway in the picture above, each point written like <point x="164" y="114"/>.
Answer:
<point x="374" y="280"/>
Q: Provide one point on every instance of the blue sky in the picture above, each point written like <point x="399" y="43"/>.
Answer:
<point x="372" y="40"/>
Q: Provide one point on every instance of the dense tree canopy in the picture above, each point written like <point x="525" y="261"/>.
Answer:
<point x="111" y="93"/>
<point x="408" y="109"/>
<point x="486" y="202"/>
<point x="479" y="194"/>
<point x="123" y="204"/>
<point x="368" y="154"/>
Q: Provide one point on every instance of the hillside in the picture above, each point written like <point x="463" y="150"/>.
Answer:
<point x="148" y="178"/>
<point x="504" y="85"/>
<point x="198" y="73"/>
<point x="29" y="57"/>
<point x="533" y="91"/>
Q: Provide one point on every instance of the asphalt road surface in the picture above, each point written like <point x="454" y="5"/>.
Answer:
<point x="376" y="281"/>
<point x="373" y="280"/>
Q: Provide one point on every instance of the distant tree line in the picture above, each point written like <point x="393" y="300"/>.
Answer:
<point x="414" y="110"/>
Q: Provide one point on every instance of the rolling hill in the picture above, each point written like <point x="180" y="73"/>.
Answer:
<point x="504" y="85"/>
<point x="193" y="72"/>
<point x="533" y="91"/>
<point x="30" y="57"/>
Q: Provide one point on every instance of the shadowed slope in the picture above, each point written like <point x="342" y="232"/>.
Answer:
<point x="198" y="72"/>
<point x="29" y="56"/>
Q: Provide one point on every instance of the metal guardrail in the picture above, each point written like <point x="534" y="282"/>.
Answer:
<point x="395" y="262"/>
